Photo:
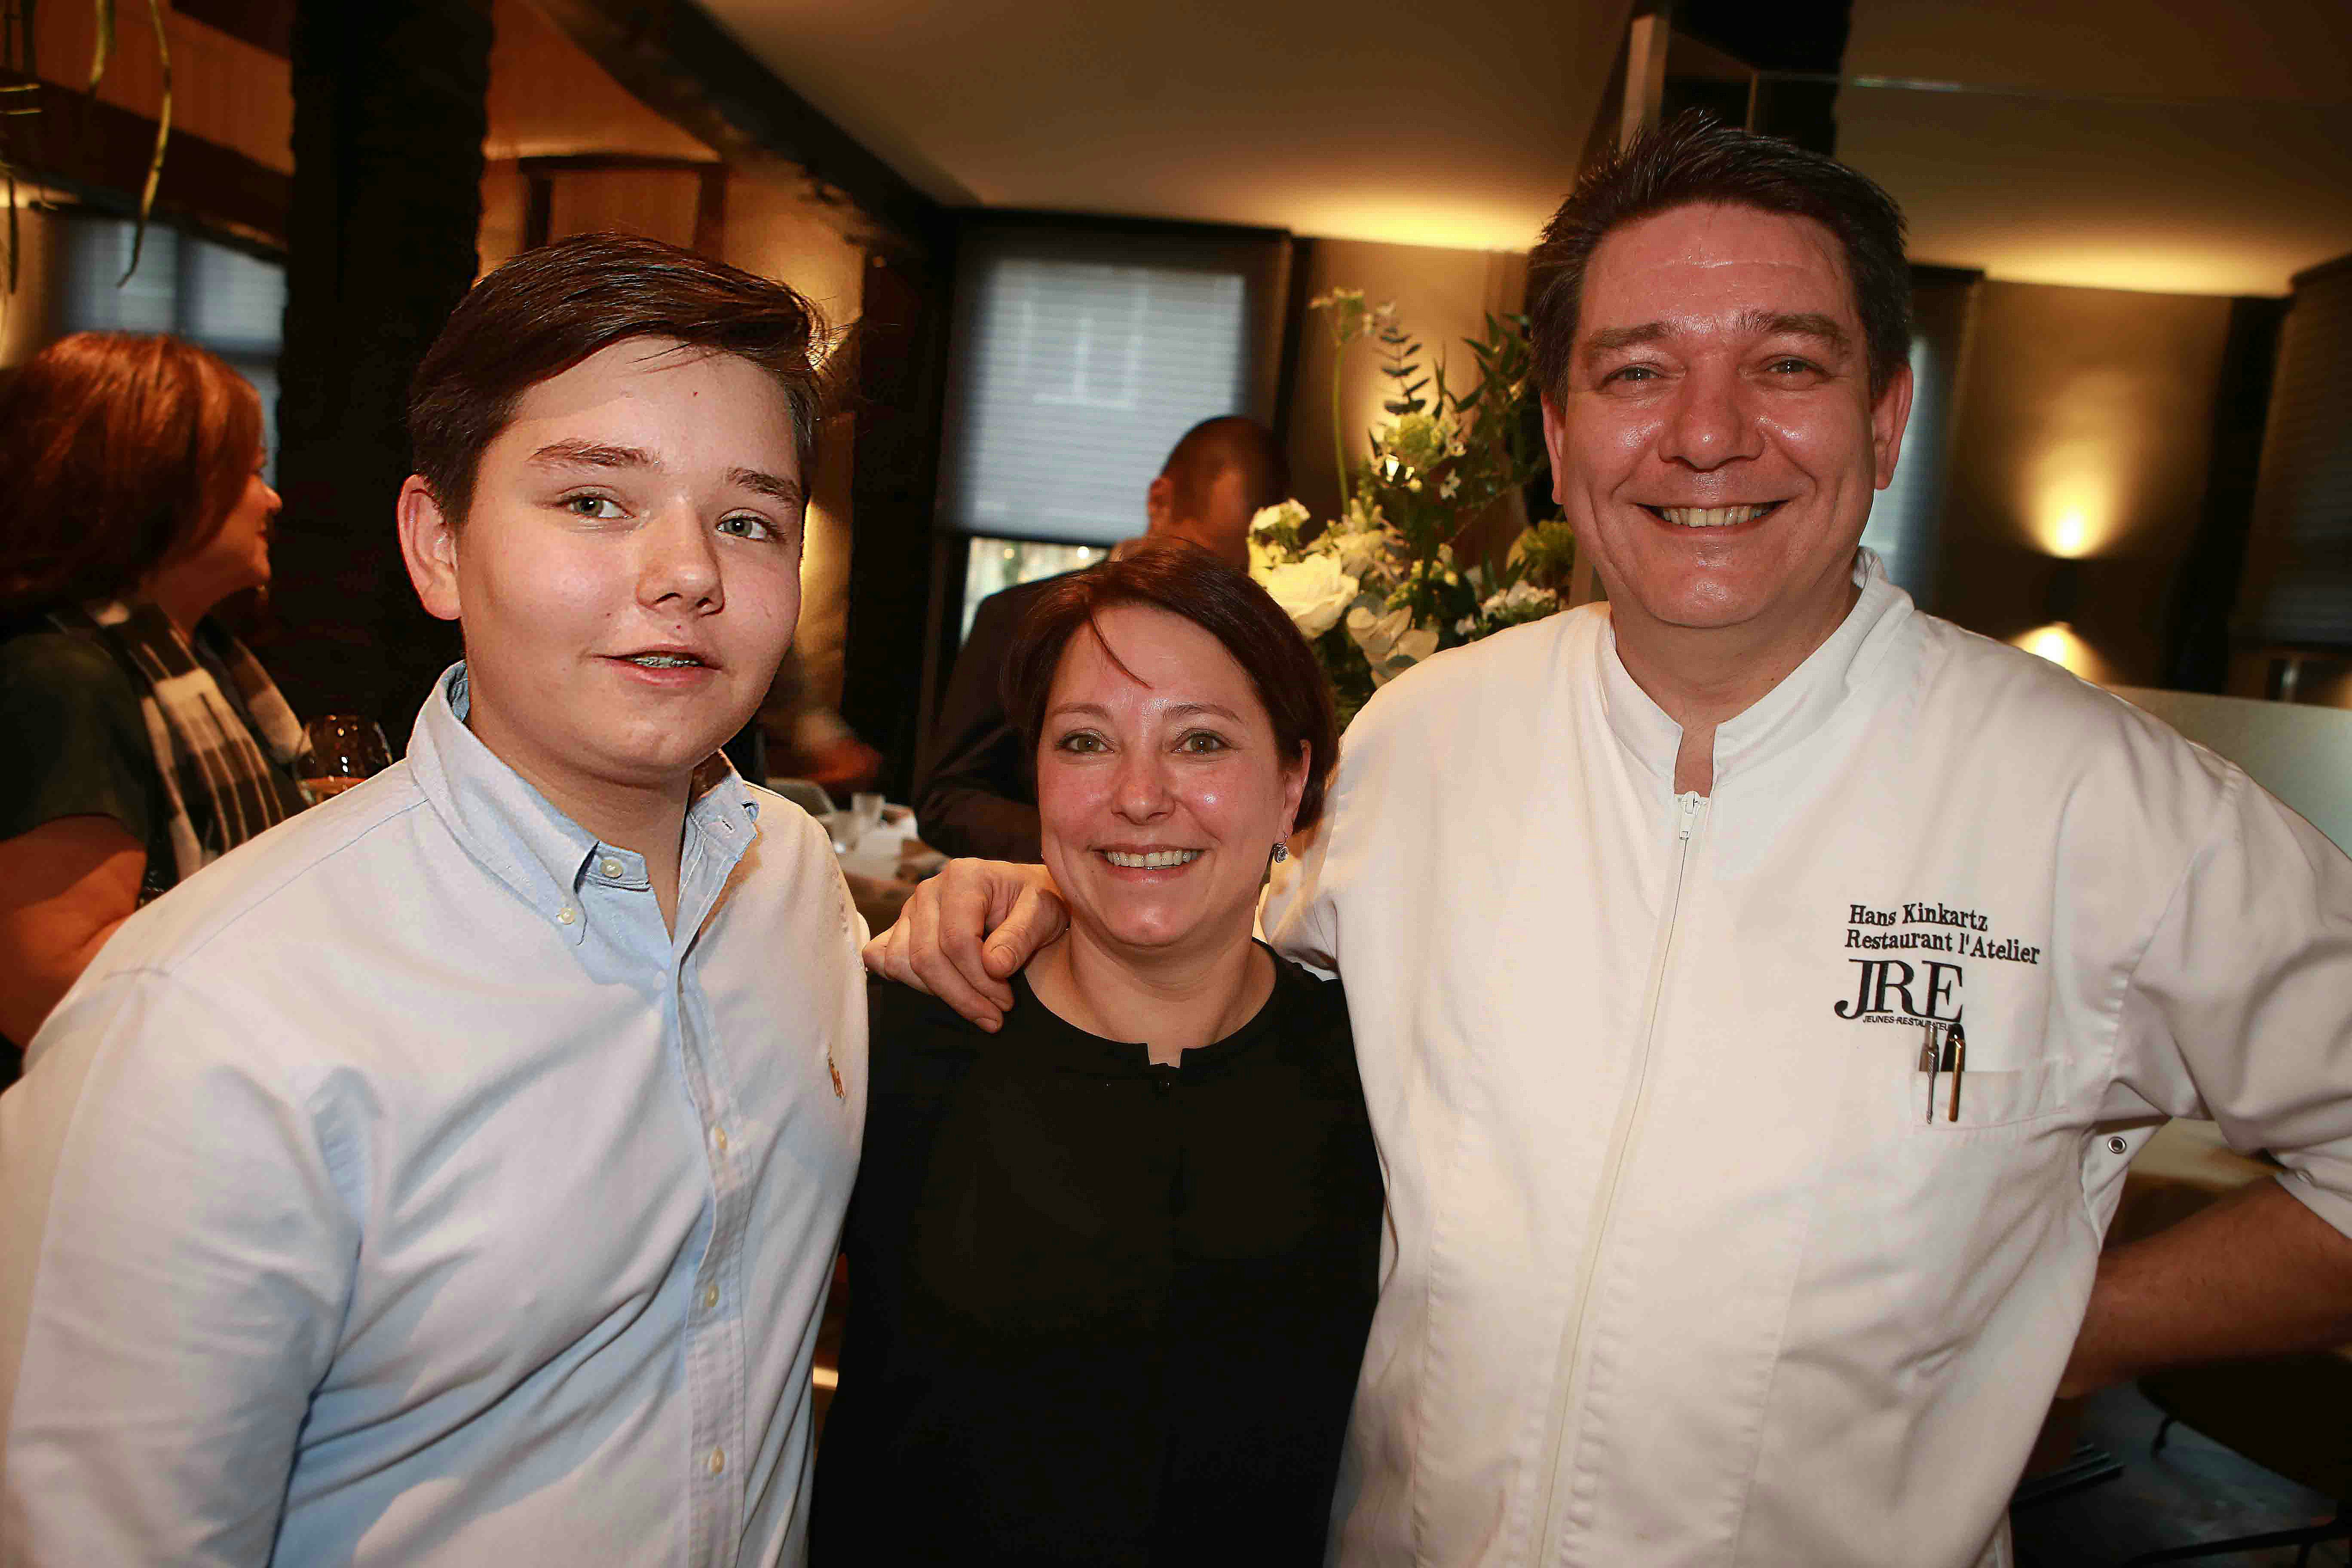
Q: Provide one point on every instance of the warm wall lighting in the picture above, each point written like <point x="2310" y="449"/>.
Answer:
<point x="1419" y="217"/>
<point x="825" y="551"/>
<point x="2057" y="643"/>
<point x="2071" y="499"/>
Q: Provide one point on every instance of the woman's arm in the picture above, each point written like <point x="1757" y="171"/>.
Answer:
<point x="64" y="887"/>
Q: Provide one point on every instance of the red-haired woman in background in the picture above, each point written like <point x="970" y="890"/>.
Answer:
<point x="138" y="740"/>
<point x="1110" y="1271"/>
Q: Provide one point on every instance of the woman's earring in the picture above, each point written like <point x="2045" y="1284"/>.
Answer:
<point x="1281" y="852"/>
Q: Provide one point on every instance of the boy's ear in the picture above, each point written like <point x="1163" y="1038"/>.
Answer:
<point x="428" y="542"/>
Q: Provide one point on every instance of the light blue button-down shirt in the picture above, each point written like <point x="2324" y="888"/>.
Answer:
<point x="401" y="1190"/>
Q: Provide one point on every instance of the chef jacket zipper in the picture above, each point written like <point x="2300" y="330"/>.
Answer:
<point x="1620" y="1144"/>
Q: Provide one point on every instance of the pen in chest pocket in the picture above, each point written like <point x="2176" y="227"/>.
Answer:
<point x="1955" y="1062"/>
<point x="1929" y="1060"/>
<point x="1949" y="1055"/>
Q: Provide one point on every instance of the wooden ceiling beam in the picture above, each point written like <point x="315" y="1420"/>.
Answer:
<point x="676" y="60"/>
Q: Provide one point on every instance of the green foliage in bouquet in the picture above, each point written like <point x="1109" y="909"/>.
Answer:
<point x="1378" y="588"/>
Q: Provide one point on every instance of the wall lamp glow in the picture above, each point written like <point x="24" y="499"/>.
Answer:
<point x="2059" y="645"/>
<point x="2070" y="535"/>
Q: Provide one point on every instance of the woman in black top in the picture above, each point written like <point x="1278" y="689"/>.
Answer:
<point x="1111" y="1269"/>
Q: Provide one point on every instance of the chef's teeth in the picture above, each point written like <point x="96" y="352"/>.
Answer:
<point x="665" y="660"/>
<point x="1157" y="860"/>
<point x="1711" y="516"/>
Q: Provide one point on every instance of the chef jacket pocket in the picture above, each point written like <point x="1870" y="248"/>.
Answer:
<point x="1887" y="1093"/>
<point x="1976" y="1097"/>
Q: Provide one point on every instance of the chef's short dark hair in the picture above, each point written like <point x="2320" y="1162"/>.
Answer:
<point x="548" y="310"/>
<point x="1694" y="161"/>
<point x="1185" y="580"/>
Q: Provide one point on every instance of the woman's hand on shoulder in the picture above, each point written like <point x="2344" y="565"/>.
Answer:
<point x="965" y="931"/>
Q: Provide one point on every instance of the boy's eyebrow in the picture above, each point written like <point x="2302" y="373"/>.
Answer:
<point x="576" y="454"/>
<point x="593" y="455"/>
<point x="776" y="486"/>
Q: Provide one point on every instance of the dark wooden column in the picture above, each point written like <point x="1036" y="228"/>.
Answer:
<point x="388" y="124"/>
<point x="897" y="587"/>
<point x="2204" y="590"/>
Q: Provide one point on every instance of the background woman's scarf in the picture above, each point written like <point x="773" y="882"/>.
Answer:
<point x="226" y="765"/>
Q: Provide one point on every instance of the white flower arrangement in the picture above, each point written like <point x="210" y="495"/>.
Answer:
<point x="1313" y="591"/>
<point x="1378" y="588"/>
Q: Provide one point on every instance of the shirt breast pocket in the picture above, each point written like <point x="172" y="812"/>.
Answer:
<point x="1892" y="1093"/>
<point x="1973" y="1099"/>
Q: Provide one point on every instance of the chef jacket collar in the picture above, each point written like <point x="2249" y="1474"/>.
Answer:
<point x="1783" y="717"/>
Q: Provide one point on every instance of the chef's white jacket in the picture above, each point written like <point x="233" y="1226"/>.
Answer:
<point x="1691" y="1261"/>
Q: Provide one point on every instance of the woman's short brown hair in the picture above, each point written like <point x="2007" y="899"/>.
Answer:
<point x="547" y="309"/>
<point x="1186" y="581"/>
<point x="118" y="454"/>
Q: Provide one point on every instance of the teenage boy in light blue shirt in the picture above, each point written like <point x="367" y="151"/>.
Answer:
<point x="453" y="1175"/>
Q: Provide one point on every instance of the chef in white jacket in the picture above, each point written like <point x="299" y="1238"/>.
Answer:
<point x="1761" y="986"/>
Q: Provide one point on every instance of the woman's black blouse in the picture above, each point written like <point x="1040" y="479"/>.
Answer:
<point x="1101" y="1311"/>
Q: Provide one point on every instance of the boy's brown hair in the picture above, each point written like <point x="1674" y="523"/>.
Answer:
<point x="549" y="309"/>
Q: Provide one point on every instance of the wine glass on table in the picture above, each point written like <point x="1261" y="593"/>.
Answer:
<point x="865" y="815"/>
<point x="345" y="750"/>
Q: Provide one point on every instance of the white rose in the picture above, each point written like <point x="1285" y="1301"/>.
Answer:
<point x="1312" y="593"/>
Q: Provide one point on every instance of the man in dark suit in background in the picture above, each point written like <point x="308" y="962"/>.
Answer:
<point x="976" y="795"/>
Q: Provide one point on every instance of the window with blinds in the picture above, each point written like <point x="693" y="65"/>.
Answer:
<point x="1903" y="516"/>
<point x="192" y="288"/>
<point x="1906" y="518"/>
<point x="1080" y="355"/>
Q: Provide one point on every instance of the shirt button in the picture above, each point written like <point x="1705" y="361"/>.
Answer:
<point x="611" y="867"/>
<point x="710" y="1298"/>
<point x="2116" y="1145"/>
<point x="566" y="915"/>
<point x="718" y="1460"/>
<point x="718" y="1139"/>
